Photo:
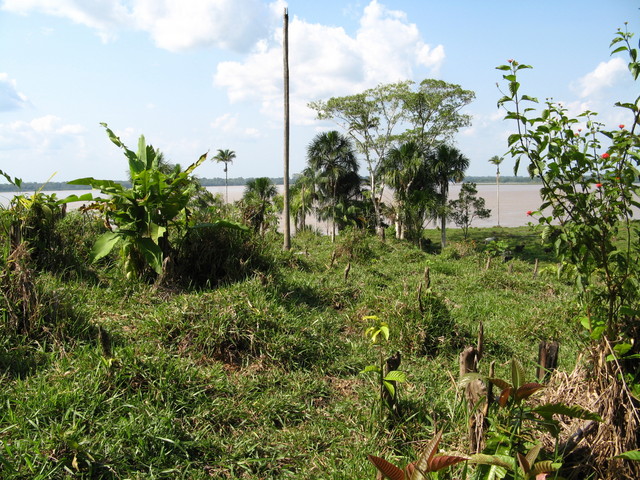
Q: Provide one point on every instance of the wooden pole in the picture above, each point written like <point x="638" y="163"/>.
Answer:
<point x="285" y="213"/>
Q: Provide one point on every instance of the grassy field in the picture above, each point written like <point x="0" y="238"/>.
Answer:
<point x="261" y="377"/>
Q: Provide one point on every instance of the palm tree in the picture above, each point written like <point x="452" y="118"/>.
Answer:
<point x="447" y="164"/>
<point x="496" y="160"/>
<point x="400" y="169"/>
<point x="258" y="194"/>
<point x="303" y="197"/>
<point x="226" y="157"/>
<point x="332" y="154"/>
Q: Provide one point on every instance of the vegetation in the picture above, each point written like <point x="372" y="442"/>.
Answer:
<point x="261" y="376"/>
<point x="214" y="353"/>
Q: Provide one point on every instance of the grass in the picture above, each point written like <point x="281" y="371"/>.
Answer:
<point x="260" y="378"/>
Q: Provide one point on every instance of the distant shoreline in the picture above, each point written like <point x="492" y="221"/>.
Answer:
<point x="28" y="187"/>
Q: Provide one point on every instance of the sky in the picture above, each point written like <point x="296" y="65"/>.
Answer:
<point x="195" y="76"/>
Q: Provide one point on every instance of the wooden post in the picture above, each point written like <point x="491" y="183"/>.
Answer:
<point x="285" y="213"/>
<point x="535" y="269"/>
<point x="474" y="393"/>
<point x="547" y="359"/>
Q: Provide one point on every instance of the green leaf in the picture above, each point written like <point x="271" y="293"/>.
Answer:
<point x="575" y="411"/>
<point x="371" y="368"/>
<point x="151" y="252"/>
<point x="517" y="374"/>
<point x="104" y="244"/>
<point x="630" y="455"/>
<point x="396" y="376"/>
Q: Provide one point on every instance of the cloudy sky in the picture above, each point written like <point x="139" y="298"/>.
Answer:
<point x="201" y="75"/>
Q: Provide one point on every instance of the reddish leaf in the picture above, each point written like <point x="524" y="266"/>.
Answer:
<point x="409" y="469"/>
<point x="504" y="396"/>
<point x="498" y="382"/>
<point x="524" y="463"/>
<point x="528" y="389"/>
<point x="444" y="461"/>
<point x="389" y="470"/>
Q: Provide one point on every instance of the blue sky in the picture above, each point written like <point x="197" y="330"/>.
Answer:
<point x="201" y="75"/>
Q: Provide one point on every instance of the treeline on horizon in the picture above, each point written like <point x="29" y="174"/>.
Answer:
<point x="237" y="181"/>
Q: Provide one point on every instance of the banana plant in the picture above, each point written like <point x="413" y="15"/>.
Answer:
<point x="139" y="217"/>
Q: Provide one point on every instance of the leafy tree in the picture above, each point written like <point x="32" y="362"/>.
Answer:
<point x="258" y="202"/>
<point x="371" y="118"/>
<point x="375" y="117"/>
<point x="496" y="160"/>
<point x="447" y="164"/>
<point x="332" y="154"/>
<point x="433" y="112"/>
<point x="467" y="207"/>
<point x="226" y="157"/>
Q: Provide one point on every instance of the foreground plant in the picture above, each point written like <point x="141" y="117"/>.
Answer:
<point x="139" y="218"/>
<point x="385" y="371"/>
<point x="589" y="187"/>
<point x="421" y="469"/>
<point x="512" y="445"/>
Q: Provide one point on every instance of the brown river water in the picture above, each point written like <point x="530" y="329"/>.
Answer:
<point x="515" y="201"/>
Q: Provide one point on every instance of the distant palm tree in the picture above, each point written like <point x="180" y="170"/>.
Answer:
<point x="226" y="157"/>
<point x="258" y="194"/>
<point x="496" y="160"/>
<point x="400" y="169"/>
<point x="332" y="154"/>
<point x="447" y="164"/>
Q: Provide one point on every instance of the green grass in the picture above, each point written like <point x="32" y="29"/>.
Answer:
<point x="260" y="378"/>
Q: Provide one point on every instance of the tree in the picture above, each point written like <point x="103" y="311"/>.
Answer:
<point x="372" y="119"/>
<point x="226" y="157"/>
<point x="496" y="160"/>
<point x="257" y="199"/>
<point x="447" y="164"/>
<point x="400" y="169"/>
<point x="433" y="111"/>
<point x="332" y="154"/>
<point x="467" y="207"/>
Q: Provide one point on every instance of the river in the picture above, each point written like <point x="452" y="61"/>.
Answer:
<point x="515" y="201"/>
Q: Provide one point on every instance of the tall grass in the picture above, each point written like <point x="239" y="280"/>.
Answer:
<point x="260" y="376"/>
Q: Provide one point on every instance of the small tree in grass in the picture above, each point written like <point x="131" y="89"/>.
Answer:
<point x="467" y="207"/>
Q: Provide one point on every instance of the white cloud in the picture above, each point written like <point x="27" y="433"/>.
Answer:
<point x="40" y="134"/>
<point x="104" y="16"/>
<point x="605" y="75"/>
<point x="225" y="123"/>
<point x="326" y="61"/>
<point x="229" y="124"/>
<point x="173" y="25"/>
<point x="10" y="97"/>
<point x="180" y="25"/>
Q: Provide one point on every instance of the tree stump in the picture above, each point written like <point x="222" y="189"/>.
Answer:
<point x="547" y="359"/>
<point x="392" y="363"/>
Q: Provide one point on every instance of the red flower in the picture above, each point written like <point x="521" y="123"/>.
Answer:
<point x="529" y="212"/>
<point x="621" y="126"/>
<point x="598" y="185"/>
<point x="605" y="155"/>
<point x="510" y="60"/>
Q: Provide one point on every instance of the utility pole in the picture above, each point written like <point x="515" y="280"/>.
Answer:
<point x="285" y="213"/>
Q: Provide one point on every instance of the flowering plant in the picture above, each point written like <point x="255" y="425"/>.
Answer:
<point x="588" y="195"/>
